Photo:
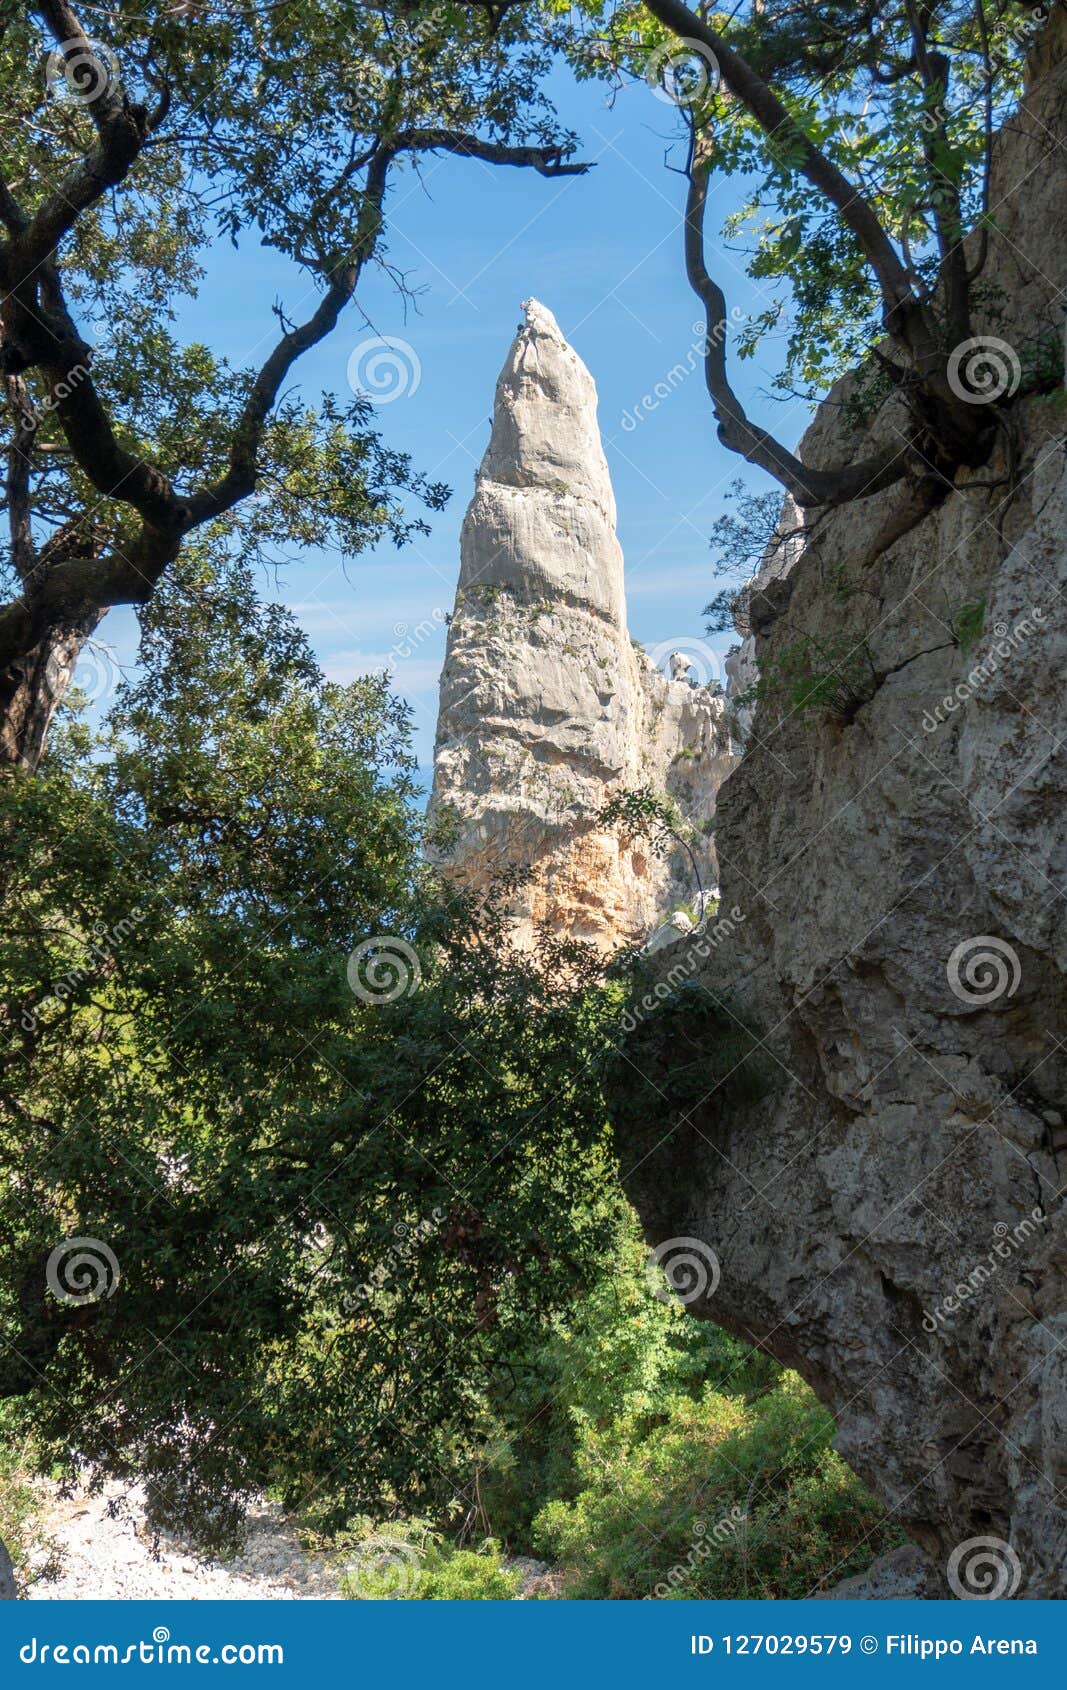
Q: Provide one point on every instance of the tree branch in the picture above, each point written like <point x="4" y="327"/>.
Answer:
<point x="31" y="335"/>
<point x="987" y="155"/>
<point x="240" y="477"/>
<point x="547" y="161"/>
<point x="67" y="594"/>
<point x="951" y="431"/>
<point x="778" y="124"/>
<point x="19" y="456"/>
<point x="121" y="128"/>
<point x="808" y="486"/>
<point x="114" y="472"/>
<point x="81" y="588"/>
<point x="933" y="70"/>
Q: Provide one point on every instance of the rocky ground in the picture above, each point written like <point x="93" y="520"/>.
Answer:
<point x="107" y="1554"/>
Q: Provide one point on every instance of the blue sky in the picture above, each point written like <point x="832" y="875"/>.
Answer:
<point x="603" y="251"/>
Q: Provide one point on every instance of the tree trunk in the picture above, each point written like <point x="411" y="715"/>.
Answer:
<point x="33" y="685"/>
<point x="8" y="1588"/>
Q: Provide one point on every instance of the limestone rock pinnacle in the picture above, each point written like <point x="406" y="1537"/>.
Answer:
<point x="547" y="707"/>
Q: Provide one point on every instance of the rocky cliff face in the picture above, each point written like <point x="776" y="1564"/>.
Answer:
<point x="547" y="707"/>
<point x="887" y="1214"/>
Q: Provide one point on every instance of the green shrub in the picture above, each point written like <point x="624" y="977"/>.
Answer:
<point x="618" y="1345"/>
<point x="721" y="1498"/>
<point x="408" y="1561"/>
<point x="450" y="1575"/>
<point x="33" y="1555"/>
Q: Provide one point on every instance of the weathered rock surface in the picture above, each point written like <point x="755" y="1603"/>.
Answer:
<point x="888" y="1215"/>
<point x="757" y="603"/>
<point x="547" y="707"/>
<point x="904" y="1575"/>
<point x="8" y="1588"/>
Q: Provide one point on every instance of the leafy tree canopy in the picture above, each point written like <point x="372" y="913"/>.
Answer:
<point x="135" y="139"/>
<point x="325" y="1135"/>
<point x="863" y="134"/>
<point x="902" y="99"/>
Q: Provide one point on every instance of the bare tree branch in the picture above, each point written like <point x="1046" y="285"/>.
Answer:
<point x="808" y="486"/>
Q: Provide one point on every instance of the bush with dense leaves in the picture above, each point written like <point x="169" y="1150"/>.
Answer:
<point x="721" y="1496"/>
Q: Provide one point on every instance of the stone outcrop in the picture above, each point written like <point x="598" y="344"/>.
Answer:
<point x="887" y="1212"/>
<point x="756" y="606"/>
<point x="547" y="706"/>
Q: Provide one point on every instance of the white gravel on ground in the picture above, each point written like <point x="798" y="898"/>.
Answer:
<point x="106" y="1554"/>
<point x="110" y="1557"/>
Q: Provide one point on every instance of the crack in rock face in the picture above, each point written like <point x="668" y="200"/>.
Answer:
<point x="547" y="707"/>
<point x="886" y="1211"/>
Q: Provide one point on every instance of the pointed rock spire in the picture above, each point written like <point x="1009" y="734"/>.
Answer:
<point x="547" y="707"/>
<point x="543" y="514"/>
